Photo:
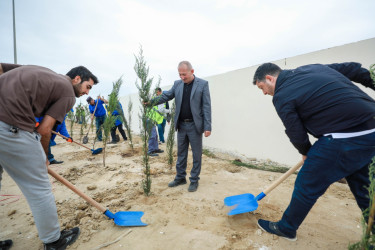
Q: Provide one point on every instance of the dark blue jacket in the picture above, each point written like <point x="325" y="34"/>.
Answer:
<point x="321" y="99"/>
<point x="116" y="113"/>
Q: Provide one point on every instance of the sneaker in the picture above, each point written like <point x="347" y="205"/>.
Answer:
<point x="272" y="228"/>
<point x="55" y="162"/>
<point x="193" y="186"/>
<point x="152" y="154"/>
<point x="158" y="151"/>
<point x="6" y="244"/>
<point x="67" y="238"/>
<point x="176" y="183"/>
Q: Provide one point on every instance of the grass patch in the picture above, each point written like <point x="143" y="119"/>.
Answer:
<point x="208" y="153"/>
<point x="271" y="168"/>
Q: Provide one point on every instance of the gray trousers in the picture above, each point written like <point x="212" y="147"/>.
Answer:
<point x="23" y="158"/>
<point x="187" y="133"/>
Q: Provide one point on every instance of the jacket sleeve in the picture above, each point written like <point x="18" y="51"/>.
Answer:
<point x="354" y="72"/>
<point x="206" y="108"/>
<point x="63" y="129"/>
<point x="293" y="125"/>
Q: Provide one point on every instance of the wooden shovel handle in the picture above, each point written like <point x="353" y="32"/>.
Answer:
<point x="76" y="190"/>
<point x="66" y="138"/>
<point x="283" y="177"/>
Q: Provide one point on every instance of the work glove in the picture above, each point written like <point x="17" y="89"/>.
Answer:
<point x="70" y="139"/>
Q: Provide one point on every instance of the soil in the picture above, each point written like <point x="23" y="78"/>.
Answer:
<point x="176" y="218"/>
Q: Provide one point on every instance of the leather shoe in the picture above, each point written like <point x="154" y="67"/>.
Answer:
<point x="176" y="183"/>
<point x="193" y="186"/>
<point x="159" y="151"/>
<point x="55" y="162"/>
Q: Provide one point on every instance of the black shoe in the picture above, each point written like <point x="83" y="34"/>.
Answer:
<point x="112" y="142"/>
<point x="176" y="183"/>
<point x="6" y="244"/>
<point x="55" y="162"/>
<point x="193" y="186"/>
<point x="67" y="238"/>
<point x="152" y="154"/>
<point x="272" y="228"/>
<point x="158" y="151"/>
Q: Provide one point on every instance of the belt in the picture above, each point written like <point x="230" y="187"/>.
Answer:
<point x="187" y="120"/>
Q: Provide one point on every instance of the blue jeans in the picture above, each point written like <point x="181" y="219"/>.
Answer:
<point x="50" y="156"/>
<point x="161" y="129"/>
<point x="153" y="140"/>
<point x="328" y="161"/>
<point x="99" y="120"/>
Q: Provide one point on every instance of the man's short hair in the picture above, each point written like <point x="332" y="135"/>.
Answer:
<point x="187" y="63"/>
<point x="83" y="72"/>
<point x="266" y="69"/>
<point x="158" y="89"/>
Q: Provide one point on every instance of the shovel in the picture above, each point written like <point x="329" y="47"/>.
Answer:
<point x="244" y="203"/>
<point x="125" y="219"/>
<point x="94" y="151"/>
<point x="86" y="138"/>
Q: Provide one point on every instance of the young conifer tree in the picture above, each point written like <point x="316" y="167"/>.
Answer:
<point x="71" y="119"/>
<point x="171" y="135"/>
<point x="146" y="95"/>
<point x="128" y="128"/>
<point x="127" y="123"/>
<point x="110" y="120"/>
<point x="80" y="114"/>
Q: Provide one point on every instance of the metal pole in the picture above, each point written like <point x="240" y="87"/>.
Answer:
<point x="14" y="35"/>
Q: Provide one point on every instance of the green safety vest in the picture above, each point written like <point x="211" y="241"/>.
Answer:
<point x="155" y="115"/>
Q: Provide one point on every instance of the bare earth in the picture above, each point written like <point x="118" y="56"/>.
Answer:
<point x="176" y="218"/>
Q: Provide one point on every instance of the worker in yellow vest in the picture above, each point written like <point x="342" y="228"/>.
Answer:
<point x="164" y="110"/>
<point x="154" y="118"/>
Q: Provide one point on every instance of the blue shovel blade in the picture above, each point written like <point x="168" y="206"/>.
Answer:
<point x="96" y="151"/>
<point x="127" y="219"/>
<point x="242" y="203"/>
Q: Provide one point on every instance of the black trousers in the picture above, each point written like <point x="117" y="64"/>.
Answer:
<point x="122" y="132"/>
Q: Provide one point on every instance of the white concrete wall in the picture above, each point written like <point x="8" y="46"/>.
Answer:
<point x="244" y="121"/>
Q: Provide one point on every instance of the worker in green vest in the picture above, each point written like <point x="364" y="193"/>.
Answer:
<point x="153" y="118"/>
<point x="164" y="110"/>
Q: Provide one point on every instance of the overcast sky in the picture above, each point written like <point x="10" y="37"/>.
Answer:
<point x="216" y="36"/>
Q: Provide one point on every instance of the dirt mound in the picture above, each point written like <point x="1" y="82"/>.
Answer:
<point x="176" y="218"/>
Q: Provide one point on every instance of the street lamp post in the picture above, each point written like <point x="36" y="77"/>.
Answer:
<point x="14" y="35"/>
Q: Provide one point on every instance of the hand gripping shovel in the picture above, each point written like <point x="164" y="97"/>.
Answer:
<point x="86" y="138"/>
<point x="125" y="219"/>
<point x="244" y="203"/>
<point x="94" y="151"/>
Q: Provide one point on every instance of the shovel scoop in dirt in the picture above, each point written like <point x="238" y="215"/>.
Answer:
<point x="125" y="219"/>
<point x="244" y="203"/>
<point x="94" y="151"/>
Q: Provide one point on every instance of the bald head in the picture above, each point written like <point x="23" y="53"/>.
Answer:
<point x="186" y="72"/>
<point x="185" y="63"/>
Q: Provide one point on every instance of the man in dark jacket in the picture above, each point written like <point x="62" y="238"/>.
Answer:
<point x="321" y="100"/>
